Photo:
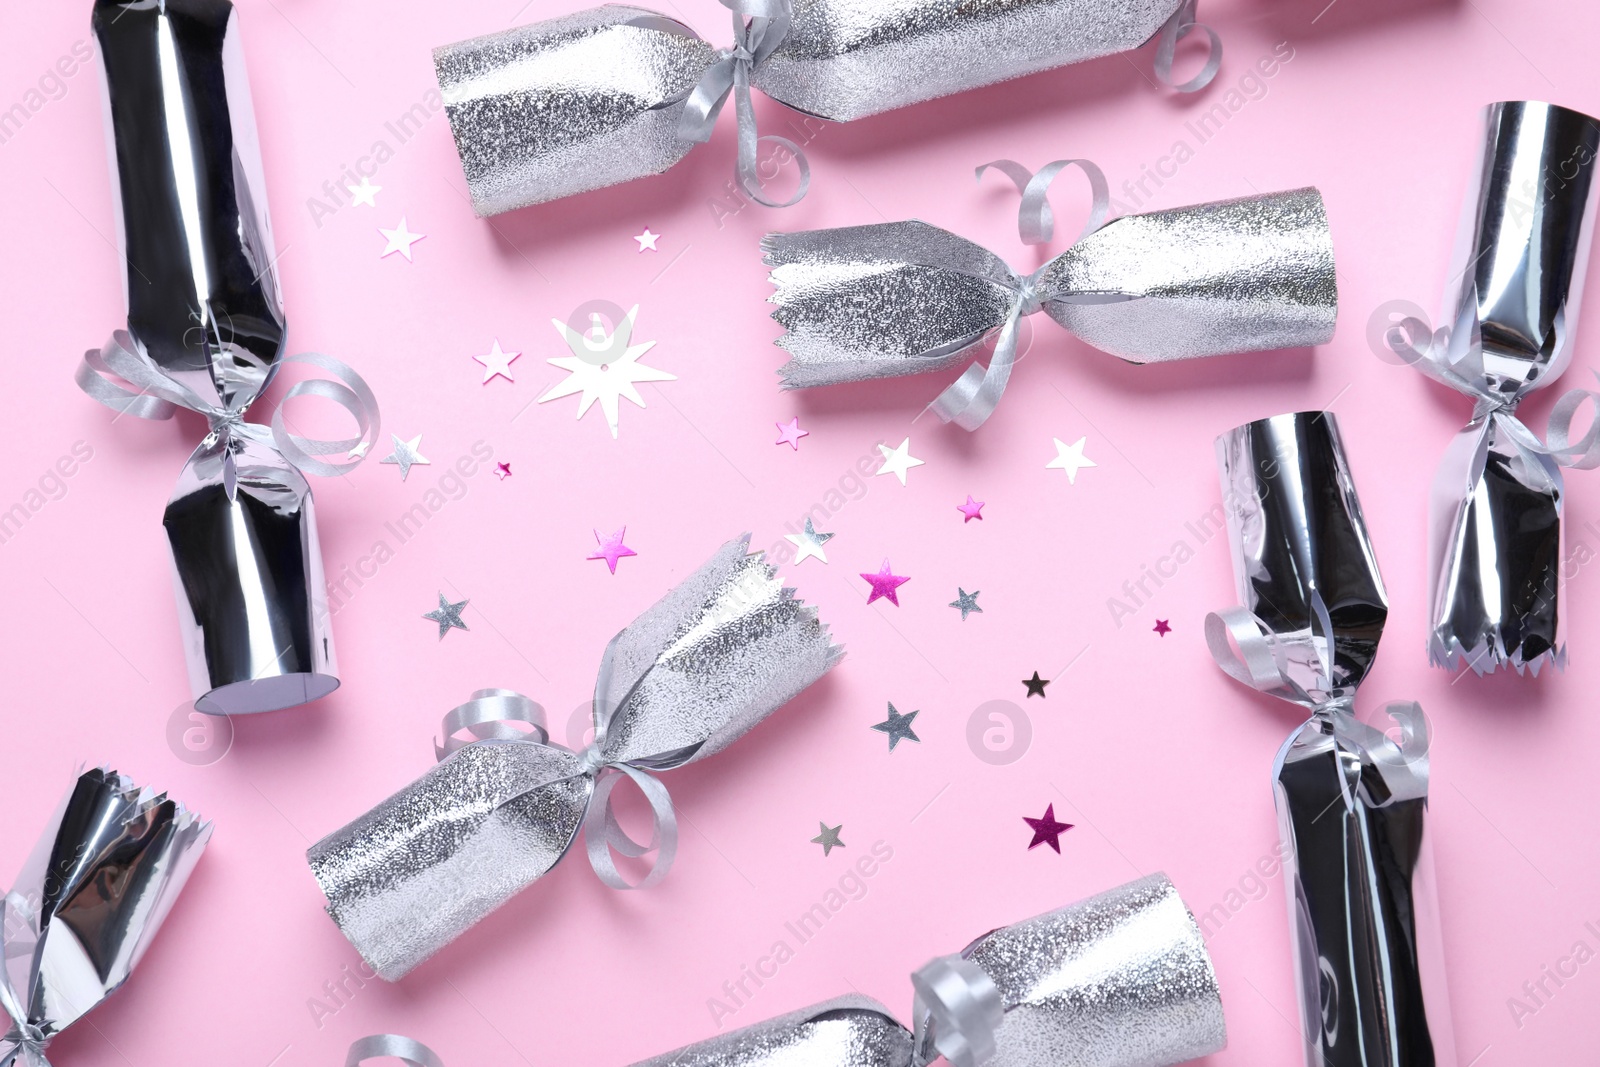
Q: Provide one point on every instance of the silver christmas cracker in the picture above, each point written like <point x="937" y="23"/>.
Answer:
<point x="615" y="93"/>
<point x="1352" y="802"/>
<point x="1121" y="979"/>
<point x="1510" y="319"/>
<point x="88" y="903"/>
<point x="206" y="332"/>
<point x="719" y="653"/>
<point x="903" y="298"/>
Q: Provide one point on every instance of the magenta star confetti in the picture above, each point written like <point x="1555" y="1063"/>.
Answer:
<point x="884" y="584"/>
<point x="612" y="548"/>
<point x="1046" y="831"/>
<point x="1162" y="628"/>
<point x="972" y="509"/>
<point x="791" y="433"/>
<point x="502" y="471"/>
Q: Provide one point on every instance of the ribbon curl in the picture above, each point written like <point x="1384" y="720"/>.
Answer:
<point x="395" y="1046"/>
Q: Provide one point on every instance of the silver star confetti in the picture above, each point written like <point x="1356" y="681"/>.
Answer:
<point x="967" y="602"/>
<point x="406" y="456"/>
<point x="898" y="727"/>
<point x="809" y="543"/>
<point x="829" y="838"/>
<point x="447" y="616"/>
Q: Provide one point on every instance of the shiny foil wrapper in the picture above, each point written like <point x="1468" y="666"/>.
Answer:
<point x="205" y="312"/>
<point x="720" y="652"/>
<point x="1352" y="803"/>
<point x="1121" y="979"/>
<point x="902" y="298"/>
<point x="591" y="99"/>
<point x="1495" y="536"/>
<point x="87" y="904"/>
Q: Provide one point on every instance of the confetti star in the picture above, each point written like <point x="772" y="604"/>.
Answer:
<point x="612" y="548"/>
<point x="884" y="584"/>
<point x="790" y="435"/>
<point x="497" y="363"/>
<point x="898" y="727"/>
<point x="448" y="616"/>
<point x="829" y="838"/>
<point x="972" y="509"/>
<point x="604" y="367"/>
<point x="1162" y="628"/>
<point x="400" y="240"/>
<point x="1047" y="831"/>
<point x="365" y="193"/>
<point x="1035" y="685"/>
<point x="897" y="461"/>
<point x="1070" y="458"/>
<point x="502" y="471"/>
<point x="809" y="543"/>
<point x="967" y="602"/>
<point x="647" y="240"/>
<point x="406" y="456"/>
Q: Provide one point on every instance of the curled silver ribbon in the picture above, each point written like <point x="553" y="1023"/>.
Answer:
<point x="156" y="396"/>
<point x="957" y="1011"/>
<point x="489" y="715"/>
<point x="971" y="399"/>
<point x="1180" y="25"/>
<point x="759" y="27"/>
<point x="404" y="1049"/>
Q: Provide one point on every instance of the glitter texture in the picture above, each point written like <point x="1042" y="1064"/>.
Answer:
<point x="715" y="656"/>
<point x="1119" y="980"/>
<point x="907" y="298"/>
<point x="850" y="1031"/>
<point x="846" y="59"/>
<point x="571" y="104"/>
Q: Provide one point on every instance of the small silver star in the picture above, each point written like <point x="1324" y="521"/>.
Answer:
<point x="897" y="726"/>
<point x="809" y="543"/>
<point x="406" y="456"/>
<point x="967" y="602"/>
<point x="448" y="615"/>
<point x="829" y="838"/>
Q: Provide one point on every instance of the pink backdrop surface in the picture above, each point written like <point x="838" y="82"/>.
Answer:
<point x="1160" y="761"/>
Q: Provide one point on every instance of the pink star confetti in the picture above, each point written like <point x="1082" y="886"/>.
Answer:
<point x="1162" y="628"/>
<point x="972" y="509"/>
<point x="502" y="471"/>
<point x="790" y="434"/>
<point x="1047" y="831"/>
<point x="884" y="584"/>
<point x="612" y="548"/>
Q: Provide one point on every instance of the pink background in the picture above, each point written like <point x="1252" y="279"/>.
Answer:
<point x="1161" y="762"/>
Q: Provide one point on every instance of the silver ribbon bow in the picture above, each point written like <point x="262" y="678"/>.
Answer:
<point x="489" y="716"/>
<point x="412" y="1053"/>
<point x="1180" y="25"/>
<point x="957" y="1011"/>
<point x="156" y="396"/>
<point x="759" y="27"/>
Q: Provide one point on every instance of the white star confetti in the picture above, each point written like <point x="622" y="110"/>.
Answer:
<point x="604" y="367"/>
<point x="1070" y="458"/>
<point x="809" y="543"/>
<point x="897" y="461"/>
<point x="497" y="364"/>
<point x="647" y="240"/>
<point x="365" y="193"/>
<point x="400" y="240"/>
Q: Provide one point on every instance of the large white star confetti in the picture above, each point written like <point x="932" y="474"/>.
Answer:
<point x="406" y="455"/>
<point x="497" y="363"/>
<point x="400" y="240"/>
<point x="604" y="367"/>
<point x="1070" y="458"/>
<point x="365" y="193"/>
<point x="809" y="543"/>
<point x="897" y="461"/>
